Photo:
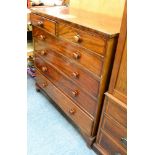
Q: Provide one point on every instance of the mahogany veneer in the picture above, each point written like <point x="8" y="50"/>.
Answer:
<point x="74" y="53"/>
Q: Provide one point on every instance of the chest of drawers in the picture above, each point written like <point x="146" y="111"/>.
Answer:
<point x="73" y="59"/>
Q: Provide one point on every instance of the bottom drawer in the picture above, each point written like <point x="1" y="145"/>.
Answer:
<point x="115" y="130"/>
<point x="81" y="119"/>
<point x="109" y="146"/>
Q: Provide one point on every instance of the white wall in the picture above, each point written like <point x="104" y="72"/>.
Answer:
<point x="111" y="7"/>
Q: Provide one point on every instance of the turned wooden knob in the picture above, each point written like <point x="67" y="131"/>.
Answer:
<point x="75" y="74"/>
<point x="42" y="37"/>
<point x="39" y="23"/>
<point x="77" y="38"/>
<point x="76" y="55"/>
<point x="72" y="111"/>
<point x="44" y="69"/>
<point x="44" y="85"/>
<point x="75" y="93"/>
<point x="43" y="52"/>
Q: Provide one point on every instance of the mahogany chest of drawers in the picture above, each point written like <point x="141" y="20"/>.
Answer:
<point x="73" y="56"/>
<point x="112" y="133"/>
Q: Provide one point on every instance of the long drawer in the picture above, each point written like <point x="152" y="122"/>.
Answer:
<point x="91" y="41"/>
<point x="44" y="23"/>
<point x="90" y="61"/>
<point x="69" y="88"/>
<point x="82" y="120"/>
<point x="115" y="130"/>
<point x="78" y="75"/>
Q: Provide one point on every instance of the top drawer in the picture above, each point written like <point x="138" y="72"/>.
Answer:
<point x="91" y="41"/>
<point x="115" y="130"/>
<point x="44" y="23"/>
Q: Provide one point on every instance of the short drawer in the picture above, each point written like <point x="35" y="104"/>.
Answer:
<point x="80" y="76"/>
<point x="115" y="130"/>
<point x="90" y="61"/>
<point x="108" y="146"/>
<point x="114" y="109"/>
<point x="69" y="88"/>
<point x="44" y="23"/>
<point x="79" y="117"/>
<point x="91" y="41"/>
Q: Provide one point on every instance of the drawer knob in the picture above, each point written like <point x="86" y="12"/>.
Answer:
<point x="124" y="141"/>
<point x="75" y="93"/>
<point x="39" y="23"/>
<point x="75" y="74"/>
<point x="72" y="111"/>
<point x="77" y="38"/>
<point x="76" y="55"/>
<point x="44" y="69"/>
<point x="42" y="37"/>
<point x="44" y="85"/>
<point x="43" y="52"/>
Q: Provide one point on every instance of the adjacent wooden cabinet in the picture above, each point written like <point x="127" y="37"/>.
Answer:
<point x="74" y="52"/>
<point x="112" y="133"/>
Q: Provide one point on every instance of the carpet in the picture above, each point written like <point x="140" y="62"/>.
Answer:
<point x="49" y="132"/>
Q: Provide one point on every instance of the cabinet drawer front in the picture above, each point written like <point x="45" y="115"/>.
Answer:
<point x="44" y="23"/>
<point x="116" y="111"/>
<point x="88" y="40"/>
<point x="109" y="146"/>
<point x="78" y="75"/>
<point x="82" y="120"/>
<point x="69" y="88"/>
<point x="80" y="56"/>
<point x="116" y="131"/>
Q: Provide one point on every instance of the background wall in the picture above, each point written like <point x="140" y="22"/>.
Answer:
<point x="111" y="7"/>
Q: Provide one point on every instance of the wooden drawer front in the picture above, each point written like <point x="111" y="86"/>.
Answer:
<point x="88" y="60"/>
<point x="65" y="85"/>
<point x="81" y="119"/>
<point x="44" y="23"/>
<point x="116" y="131"/>
<point x="116" y="111"/>
<point x="82" y="78"/>
<point x="109" y="146"/>
<point x="88" y="40"/>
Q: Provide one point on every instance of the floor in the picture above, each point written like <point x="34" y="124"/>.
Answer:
<point x="49" y="132"/>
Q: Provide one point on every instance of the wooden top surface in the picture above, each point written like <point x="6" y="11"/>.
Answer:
<point x="103" y="23"/>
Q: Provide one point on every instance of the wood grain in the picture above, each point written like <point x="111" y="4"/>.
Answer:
<point x="67" y="87"/>
<point x="115" y="130"/>
<point x="116" y="110"/>
<point x="118" y="83"/>
<point x="44" y="23"/>
<point x="83" y="121"/>
<point x="103" y="24"/>
<point x="110" y="147"/>
<point x="112" y="132"/>
<point x="88" y="60"/>
<point x="78" y="75"/>
<point x="83" y="46"/>
<point x="106" y="72"/>
<point x="88" y="40"/>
